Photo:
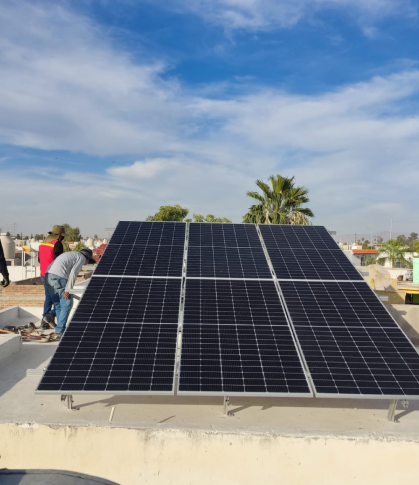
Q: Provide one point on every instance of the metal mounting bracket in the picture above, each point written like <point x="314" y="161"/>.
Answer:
<point x="67" y="400"/>
<point x="391" y="416"/>
<point x="226" y="404"/>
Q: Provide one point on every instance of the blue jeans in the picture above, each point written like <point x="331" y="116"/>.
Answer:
<point x="56" y="288"/>
<point x="48" y="302"/>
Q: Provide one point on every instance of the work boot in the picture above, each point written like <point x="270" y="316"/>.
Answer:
<point x="48" y="321"/>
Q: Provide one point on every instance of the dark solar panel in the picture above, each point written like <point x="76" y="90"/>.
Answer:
<point x="349" y="341"/>
<point x="299" y="263"/>
<point x="227" y="262"/>
<point x="289" y="236"/>
<point x="230" y="359"/>
<point x="136" y="358"/>
<point x="122" y="338"/>
<point x="135" y="260"/>
<point x="236" y="339"/>
<point x="149" y="233"/>
<point x="126" y="300"/>
<point x="322" y="304"/>
<point x="227" y="235"/>
<point x="226" y="302"/>
<point x="360" y="361"/>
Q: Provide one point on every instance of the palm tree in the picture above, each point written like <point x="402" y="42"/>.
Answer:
<point x="279" y="204"/>
<point x="393" y="251"/>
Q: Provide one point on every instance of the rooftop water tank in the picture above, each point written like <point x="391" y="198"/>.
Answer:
<point x="105" y="241"/>
<point x="8" y="246"/>
<point x="89" y="242"/>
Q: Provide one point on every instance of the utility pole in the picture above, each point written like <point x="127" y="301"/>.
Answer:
<point x="391" y="226"/>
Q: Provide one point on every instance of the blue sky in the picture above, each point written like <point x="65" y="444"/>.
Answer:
<point x="111" y="108"/>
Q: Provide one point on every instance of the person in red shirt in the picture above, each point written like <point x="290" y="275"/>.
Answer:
<point x="49" y="249"/>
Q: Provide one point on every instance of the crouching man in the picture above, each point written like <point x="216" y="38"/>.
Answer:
<point x="60" y="278"/>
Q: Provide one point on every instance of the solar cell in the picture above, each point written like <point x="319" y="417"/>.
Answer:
<point x="236" y="340"/>
<point x="227" y="262"/>
<point x="323" y="304"/>
<point x="135" y="260"/>
<point x="227" y="235"/>
<point x="312" y="264"/>
<point x="281" y="236"/>
<point x="149" y="233"/>
<point x="122" y="338"/>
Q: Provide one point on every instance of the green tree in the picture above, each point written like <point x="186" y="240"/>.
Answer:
<point x="412" y="239"/>
<point x="18" y="236"/>
<point x="174" y="213"/>
<point x="370" y="260"/>
<point x="280" y="203"/>
<point x="8" y="233"/>
<point x="366" y="244"/>
<point x="208" y="218"/>
<point x="79" y="247"/>
<point x="402" y="238"/>
<point x="416" y="246"/>
<point x="394" y="251"/>
<point x="72" y="234"/>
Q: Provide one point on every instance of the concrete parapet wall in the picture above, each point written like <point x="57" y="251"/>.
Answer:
<point x="407" y="316"/>
<point x="9" y="344"/>
<point x="136" y="456"/>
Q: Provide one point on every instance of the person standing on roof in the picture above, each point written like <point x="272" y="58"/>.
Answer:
<point x="60" y="277"/>
<point x="3" y="268"/>
<point x="49" y="249"/>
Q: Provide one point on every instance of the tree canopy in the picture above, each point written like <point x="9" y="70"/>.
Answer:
<point x="208" y="218"/>
<point x="395" y="251"/>
<point x="72" y="234"/>
<point x="281" y="202"/>
<point x="174" y="213"/>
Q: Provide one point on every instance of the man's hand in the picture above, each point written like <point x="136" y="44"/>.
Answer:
<point x="67" y="295"/>
<point x="5" y="282"/>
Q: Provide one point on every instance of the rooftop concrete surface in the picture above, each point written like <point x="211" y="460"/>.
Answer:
<point x="303" y="417"/>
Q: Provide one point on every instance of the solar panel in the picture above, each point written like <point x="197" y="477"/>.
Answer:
<point x="236" y="340"/>
<point x="323" y="304"/>
<point x="346" y="362"/>
<point x="238" y="302"/>
<point x="290" y="236"/>
<point x="135" y="260"/>
<point x="227" y="235"/>
<point x="312" y="264"/>
<point x="227" y="262"/>
<point x="350" y="343"/>
<point x="149" y="233"/>
<point x="122" y="338"/>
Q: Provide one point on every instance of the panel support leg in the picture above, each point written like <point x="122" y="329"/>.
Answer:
<point x="226" y="404"/>
<point x="391" y="416"/>
<point x="67" y="400"/>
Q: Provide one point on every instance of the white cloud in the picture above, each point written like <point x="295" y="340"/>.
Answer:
<point x="64" y="87"/>
<point x="269" y="14"/>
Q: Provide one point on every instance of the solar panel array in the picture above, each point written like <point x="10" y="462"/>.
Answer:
<point x="123" y="335"/>
<point x="264" y="308"/>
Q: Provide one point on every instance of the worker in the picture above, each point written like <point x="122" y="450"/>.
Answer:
<point x="60" y="277"/>
<point x="49" y="249"/>
<point x="3" y="268"/>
